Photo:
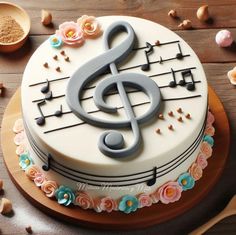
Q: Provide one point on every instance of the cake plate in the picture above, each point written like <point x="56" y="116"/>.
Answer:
<point x="144" y="217"/>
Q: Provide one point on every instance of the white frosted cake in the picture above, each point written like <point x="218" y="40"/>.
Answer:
<point x="115" y="114"/>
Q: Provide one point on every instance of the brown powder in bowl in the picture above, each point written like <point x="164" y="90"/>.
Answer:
<point x="10" y="30"/>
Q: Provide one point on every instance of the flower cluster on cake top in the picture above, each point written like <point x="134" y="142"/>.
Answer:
<point x="167" y="193"/>
<point x="75" y="33"/>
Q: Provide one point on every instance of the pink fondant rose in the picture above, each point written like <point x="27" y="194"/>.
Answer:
<point x="19" y="138"/>
<point x="155" y="197"/>
<point x="84" y="200"/>
<point x="210" y="118"/>
<point x="108" y="204"/>
<point x="170" y="192"/>
<point x="206" y="149"/>
<point x="209" y="130"/>
<point x="21" y="149"/>
<point x="31" y="171"/>
<point x="18" y="126"/>
<point x="70" y="33"/>
<point x="201" y="160"/>
<point x="39" y="179"/>
<point x="195" y="171"/>
<point x="89" y="26"/>
<point x="144" y="200"/>
<point x="49" y="187"/>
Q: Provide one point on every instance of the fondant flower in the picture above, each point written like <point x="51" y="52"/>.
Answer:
<point x="39" y="179"/>
<point x="128" y="204"/>
<point x="25" y="161"/>
<point x="170" y="192"/>
<point x="206" y="149"/>
<point x="195" y="171"/>
<point x="186" y="181"/>
<point x="20" y="149"/>
<point x="89" y="26"/>
<point x="18" y="126"/>
<point x="144" y="200"/>
<point x="210" y="117"/>
<point x="108" y="204"/>
<point x="209" y="130"/>
<point x="31" y="171"/>
<point x="55" y="41"/>
<point x="19" y="138"/>
<point x="232" y="76"/>
<point x="97" y="206"/>
<point x="209" y="140"/>
<point x="49" y="188"/>
<point x="201" y="161"/>
<point x="64" y="195"/>
<point x="70" y="33"/>
<point x="155" y="197"/>
<point x="84" y="200"/>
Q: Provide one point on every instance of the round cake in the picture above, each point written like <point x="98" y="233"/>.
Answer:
<point x="115" y="113"/>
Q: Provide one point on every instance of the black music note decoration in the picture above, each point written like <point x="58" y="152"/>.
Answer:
<point x="58" y="113"/>
<point x="146" y="67"/>
<point x="111" y="143"/>
<point x="191" y="85"/>
<point x="48" y="96"/>
<point x="153" y="180"/>
<point x="45" y="88"/>
<point x="179" y="55"/>
<point x="46" y="167"/>
<point x="173" y="84"/>
<point x="41" y="120"/>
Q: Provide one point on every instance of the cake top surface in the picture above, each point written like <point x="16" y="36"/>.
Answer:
<point x="172" y="65"/>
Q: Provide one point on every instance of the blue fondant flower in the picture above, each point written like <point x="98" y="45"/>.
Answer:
<point x="55" y="41"/>
<point x="186" y="181"/>
<point x="25" y="161"/>
<point x="128" y="204"/>
<point x="64" y="195"/>
<point x="209" y="140"/>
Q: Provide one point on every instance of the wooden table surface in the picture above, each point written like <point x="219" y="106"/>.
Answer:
<point x="216" y="62"/>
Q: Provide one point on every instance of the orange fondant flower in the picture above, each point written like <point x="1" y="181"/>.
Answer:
<point x="31" y="171"/>
<point x="70" y="33"/>
<point x="84" y="200"/>
<point x="195" y="171"/>
<point x="49" y="188"/>
<point x="108" y="204"/>
<point x="206" y="149"/>
<point x="209" y="130"/>
<point x="201" y="160"/>
<point x="89" y="26"/>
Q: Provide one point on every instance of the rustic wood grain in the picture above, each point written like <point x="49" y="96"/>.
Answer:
<point x="217" y="62"/>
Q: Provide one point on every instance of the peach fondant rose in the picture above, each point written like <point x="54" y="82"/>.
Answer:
<point x="49" y="187"/>
<point x="84" y="200"/>
<point x="170" y="192"/>
<point x="210" y="118"/>
<point x="31" y="171"/>
<point x="108" y="204"/>
<point x="19" y="138"/>
<point x="195" y="171"/>
<point x="39" y="179"/>
<point x="144" y="200"/>
<point x="209" y="130"/>
<point x="201" y="161"/>
<point x="18" y="126"/>
<point x="89" y="26"/>
<point x="70" y="33"/>
<point x="20" y="149"/>
<point x="155" y="197"/>
<point x="206" y="149"/>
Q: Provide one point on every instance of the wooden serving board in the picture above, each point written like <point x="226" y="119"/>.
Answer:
<point x="144" y="217"/>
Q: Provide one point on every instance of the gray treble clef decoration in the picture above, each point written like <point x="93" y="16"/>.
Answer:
<point x="111" y="142"/>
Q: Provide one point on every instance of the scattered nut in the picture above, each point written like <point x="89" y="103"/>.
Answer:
<point x="5" y="206"/>
<point x="161" y="116"/>
<point x="158" y="131"/>
<point x="62" y="52"/>
<point x="46" y="17"/>
<point x="171" y="114"/>
<point x="67" y="59"/>
<point x="203" y="13"/>
<point x="1" y="185"/>
<point x="55" y="57"/>
<point x="172" y="13"/>
<point x="45" y="65"/>
<point x="179" y="110"/>
<point x="29" y="230"/>
<point x="157" y="43"/>
<point x="186" y="24"/>
<point x="58" y="69"/>
<point x="170" y="127"/>
<point x="180" y="119"/>
<point x="188" y="116"/>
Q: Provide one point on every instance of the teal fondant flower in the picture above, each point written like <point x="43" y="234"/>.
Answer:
<point x="128" y="204"/>
<point x="209" y="140"/>
<point x="25" y="161"/>
<point x="55" y="41"/>
<point x="186" y="181"/>
<point x="64" y="195"/>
